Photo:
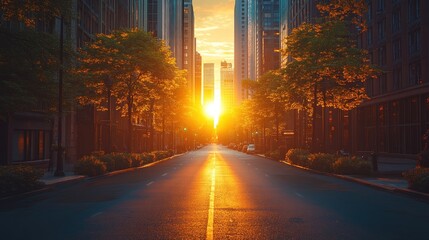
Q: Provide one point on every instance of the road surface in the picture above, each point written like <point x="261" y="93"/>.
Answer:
<point x="215" y="193"/>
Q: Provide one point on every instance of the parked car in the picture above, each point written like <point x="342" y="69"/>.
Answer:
<point x="244" y="148"/>
<point x="251" y="148"/>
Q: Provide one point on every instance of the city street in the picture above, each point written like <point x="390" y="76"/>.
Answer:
<point x="215" y="193"/>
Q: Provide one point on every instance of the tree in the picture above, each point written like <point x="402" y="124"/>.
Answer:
<point x="327" y="66"/>
<point x="137" y="65"/>
<point x="28" y="56"/>
<point x="28" y="63"/>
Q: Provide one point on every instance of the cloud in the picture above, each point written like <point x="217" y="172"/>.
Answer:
<point x="214" y="21"/>
<point x="205" y="29"/>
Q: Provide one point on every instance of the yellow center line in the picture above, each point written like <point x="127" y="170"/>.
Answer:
<point x="210" y="219"/>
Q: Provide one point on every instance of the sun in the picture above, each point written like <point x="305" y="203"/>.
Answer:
<point x="213" y="110"/>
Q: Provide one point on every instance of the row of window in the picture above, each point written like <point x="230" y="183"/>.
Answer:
<point x="30" y="145"/>
<point x="394" y="127"/>
<point x="414" y="78"/>
<point x="414" y="47"/>
<point x="413" y="7"/>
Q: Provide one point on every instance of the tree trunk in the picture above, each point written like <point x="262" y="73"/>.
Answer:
<point x="151" y="129"/>
<point x="313" y="138"/>
<point x="130" y="123"/>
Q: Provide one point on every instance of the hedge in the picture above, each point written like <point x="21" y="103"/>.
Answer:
<point x="352" y="165"/>
<point x="99" y="163"/>
<point x="18" y="179"/>
<point x="331" y="163"/>
<point x="418" y="179"/>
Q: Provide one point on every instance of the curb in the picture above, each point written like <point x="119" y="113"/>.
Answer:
<point x="133" y="168"/>
<point x="403" y="191"/>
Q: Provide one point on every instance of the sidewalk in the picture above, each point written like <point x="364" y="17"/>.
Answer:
<point x="388" y="177"/>
<point x="50" y="179"/>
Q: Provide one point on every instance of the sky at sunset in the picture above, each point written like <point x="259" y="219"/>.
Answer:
<point x="214" y="30"/>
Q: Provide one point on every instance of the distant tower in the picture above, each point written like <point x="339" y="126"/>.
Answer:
<point x="226" y="86"/>
<point x="240" y="48"/>
<point x="208" y="85"/>
<point x="198" y="80"/>
<point x="189" y="46"/>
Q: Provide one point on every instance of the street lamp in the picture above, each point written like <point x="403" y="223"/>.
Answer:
<point x="59" y="172"/>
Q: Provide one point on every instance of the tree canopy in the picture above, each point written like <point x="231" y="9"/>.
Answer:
<point x="133" y="65"/>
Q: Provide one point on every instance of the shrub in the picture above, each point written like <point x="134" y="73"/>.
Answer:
<point x="147" y="158"/>
<point x="159" y="155"/>
<point x="298" y="156"/>
<point x="274" y="155"/>
<point x="122" y="160"/>
<point x="136" y="160"/>
<point x="19" y="179"/>
<point x="352" y="165"/>
<point x="418" y="179"/>
<point x="321" y="161"/>
<point x="109" y="161"/>
<point x="89" y="166"/>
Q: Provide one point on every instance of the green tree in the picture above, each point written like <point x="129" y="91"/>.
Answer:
<point x="29" y="57"/>
<point x="133" y="65"/>
<point x="28" y="64"/>
<point x="327" y="67"/>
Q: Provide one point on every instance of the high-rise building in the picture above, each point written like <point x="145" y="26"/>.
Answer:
<point x="270" y="31"/>
<point x="395" y="117"/>
<point x="198" y="79"/>
<point x="208" y="83"/>
<point x="240" y="48"/>
<point x="226" y="86"/>
<point x="253" y="39"/>
<point x="165" y="20"/>
<point x="189" y="46"/>
<point x="257" y="41"/>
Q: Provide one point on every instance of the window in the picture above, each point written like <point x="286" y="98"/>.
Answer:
<point x="381" y="25"/>
<point x="397" y="78"/>
<point x="396" y="20"/>
<point x="380" y="5"/>
<point x="30" y="145"/>
<point x="382" y="56"/>
<point x="415" y="73"/>
<point x="413" y="10"/>
<point x="396" y="50"/>
<point x="369" y="13"/>
<point x="369" y="36"/>
<point x="383" y="83"/>
<point x="414" y="42"/>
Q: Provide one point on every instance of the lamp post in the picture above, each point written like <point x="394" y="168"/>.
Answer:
<point x="60" y="165"/>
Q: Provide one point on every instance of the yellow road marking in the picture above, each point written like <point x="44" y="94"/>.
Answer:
<point x="210" y="219"/>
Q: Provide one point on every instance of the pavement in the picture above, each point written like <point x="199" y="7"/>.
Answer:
<point x="388" y="177"/>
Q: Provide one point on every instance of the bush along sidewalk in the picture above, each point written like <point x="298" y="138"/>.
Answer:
<point x="18" y="179"/>
<point x="330" y="163"/>
<point x="418" y="179"/>
<point x="99" y="163"/>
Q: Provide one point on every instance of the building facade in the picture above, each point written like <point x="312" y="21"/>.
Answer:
<point x="397" y="114"/>
<point x="208" y="83"/>
<point x="198" y="79"/>
<point x="240" y="48"/>
<point x="257" y="38"/>
<point x="227" y="86"/>
<point x="189" y="46"/>
<point x="29" y="136"/>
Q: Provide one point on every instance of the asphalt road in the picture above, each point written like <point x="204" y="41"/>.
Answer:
<point x="215" y="193"/>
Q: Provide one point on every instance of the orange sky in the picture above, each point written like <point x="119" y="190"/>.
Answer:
<point x="214" y="30"/>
